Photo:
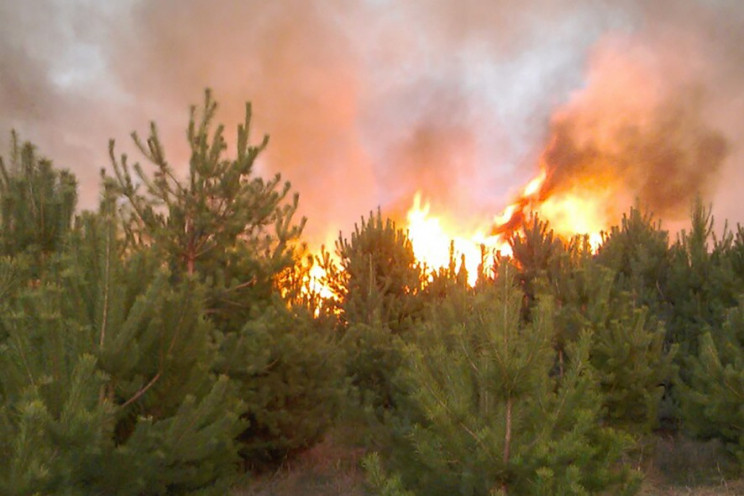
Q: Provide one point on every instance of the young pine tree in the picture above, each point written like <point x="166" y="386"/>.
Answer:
<point x="703" y="282"/>
<point x="712" y="390"/>
<point x="627" y="346"/>
<point x="638" y="252"/>
<point x="380" y="275"/>
<point x="106" y="385"/>
<point x="37" y="204"/>
<point x="288" y="371"/>
<point x="539" y="255"/>
<point x="221" y="223"/>
<point x="487" y="414"/>
<point x="218" y="223"/>
<point x="380" y="281"/>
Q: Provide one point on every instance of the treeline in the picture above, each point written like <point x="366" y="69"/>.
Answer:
<point x="167" y="343"/>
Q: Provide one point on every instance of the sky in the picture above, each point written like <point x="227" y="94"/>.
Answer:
<point x="368" y="101"/>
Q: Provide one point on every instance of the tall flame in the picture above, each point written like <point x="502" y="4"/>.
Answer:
<point x="435" y="238"/>
<point x="431" y="237"/>
<point x="574" y="212"/>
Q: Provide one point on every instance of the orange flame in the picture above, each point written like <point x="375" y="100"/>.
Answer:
<point x="569" y="213"/>
<point x="431" y="237"/>
<point x="577" y="211"/>
<point x="535" y="185"/>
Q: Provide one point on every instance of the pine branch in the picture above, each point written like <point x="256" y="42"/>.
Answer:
<point x="142" y="390"/>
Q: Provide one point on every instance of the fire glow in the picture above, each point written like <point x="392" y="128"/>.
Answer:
<point x="437" y="238"/>
<point x="568" y="213"/>
<point x="432" y="236"/>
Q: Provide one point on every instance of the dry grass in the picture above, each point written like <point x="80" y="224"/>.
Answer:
<point x="331" y="468"/>
<point x="679" y="467"/>
<point x="682" y="466"/>
<point x="654" y="487"/>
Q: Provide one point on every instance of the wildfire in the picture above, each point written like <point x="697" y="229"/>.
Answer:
<point x="569" y="213"/>
<point x="315" y="283"/>
<point x="431" y="237"/>
<point x="577" y="211"/>
<point x="573" y="213"/>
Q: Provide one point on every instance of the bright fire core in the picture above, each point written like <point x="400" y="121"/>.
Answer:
<point x="568" y="214"/>
<point x="434" y="235"/>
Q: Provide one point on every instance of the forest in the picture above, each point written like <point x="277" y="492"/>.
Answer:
<point x="167" y="342"/>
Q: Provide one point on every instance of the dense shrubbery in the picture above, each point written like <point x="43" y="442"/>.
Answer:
<point x="486" y="410"/>
<point x="159" y="344"/>
<point x="147" y="346"/>
<point x="107" y="384"/>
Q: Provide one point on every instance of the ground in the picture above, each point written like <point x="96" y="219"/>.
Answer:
<point x="332" y="468"/>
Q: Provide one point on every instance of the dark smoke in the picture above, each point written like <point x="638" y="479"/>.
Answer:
<point x="666" y="162"/>
<point x="643" y="127"/>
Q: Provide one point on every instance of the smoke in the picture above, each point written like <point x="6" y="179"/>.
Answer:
<point x="638" y="129"/>
<point x="367" y="102"/>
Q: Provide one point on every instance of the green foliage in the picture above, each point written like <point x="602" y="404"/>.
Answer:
<point x="380" y="275"/>
<point x="539" y="254"/>
<point x="234" y="233"/>
<point x="627" y="346"/>
<point x="373" y="355"/>
<point x="379" y="282"/>
<point x="713" y="391"/>
<point x="703" y="282"/>
<point x="13" y="275"/>
<point x="37" y="203"/>
<point x="288" y="369"/>
<point x="626" y="339"/>
<point x="106" y="384"/>
<point x="379" y="482"/>
<point x="488" y="415"/>
<point x="231" y="228"/>
<point x="145" y="348"/>
<point x="638" y="252"/>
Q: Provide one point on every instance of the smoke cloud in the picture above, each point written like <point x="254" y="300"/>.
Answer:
<point x="368" y="102"/>
<point x="638" y="129"/>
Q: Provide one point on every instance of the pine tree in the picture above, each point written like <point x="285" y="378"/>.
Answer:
<point x="488" y="415"/>
<point x="37" y="204"/>
<point x="379" y="282"/>
<point x="288" y="369"/>
<point x="703" y="281"/>
<point x="712" y="390"/>
<point x="627" y="347"/>
<point x="539" y="254"/>
<point x="638" y="252"/>
<point x="221" y="223"/>
<point x="380" y="274"/>
<point x="626" y="339"/>
<point x="106" y="384"/>
<point x="234" y="233"/>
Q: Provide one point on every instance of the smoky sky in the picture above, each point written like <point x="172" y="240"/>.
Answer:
<point x="367" y="102"/>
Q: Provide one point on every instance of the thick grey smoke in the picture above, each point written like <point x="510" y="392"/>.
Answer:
<point x="368" y="101"/>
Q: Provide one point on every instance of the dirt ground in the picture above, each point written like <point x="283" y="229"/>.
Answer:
<point x="678" y="467"/>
